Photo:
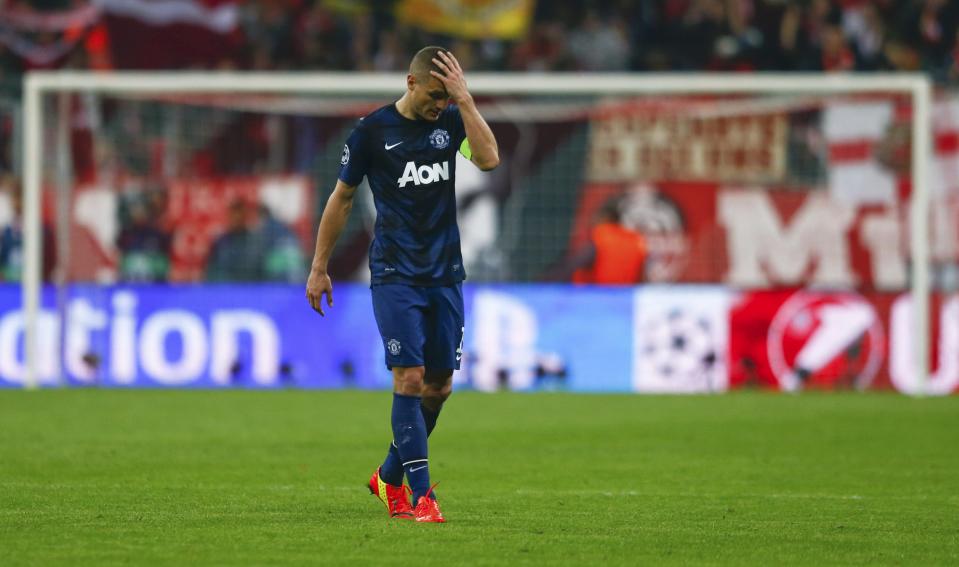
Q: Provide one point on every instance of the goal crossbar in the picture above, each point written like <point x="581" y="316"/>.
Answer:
<point x="37" y="84"/>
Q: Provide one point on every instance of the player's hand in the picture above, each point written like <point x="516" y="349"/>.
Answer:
<point x="317" y="285"/>
<point x="452" y="77"/>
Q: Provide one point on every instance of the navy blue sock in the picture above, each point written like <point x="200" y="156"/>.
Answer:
<point x="430" y="417"/>
<point x="392" y="469"/>
<point x="409" y="434"/>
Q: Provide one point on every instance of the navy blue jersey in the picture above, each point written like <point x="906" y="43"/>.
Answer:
<point x="411" y="169"/>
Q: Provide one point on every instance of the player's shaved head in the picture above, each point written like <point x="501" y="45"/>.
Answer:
<point x="422" y="63"/>
<point x="426" y="96"/>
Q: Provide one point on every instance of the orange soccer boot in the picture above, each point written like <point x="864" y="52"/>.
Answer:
<point x="395" y="498"/>
<point x="428" y="510"/>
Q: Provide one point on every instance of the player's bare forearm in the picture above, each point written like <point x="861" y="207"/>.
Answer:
<point x="482" y="141"/>
<point x="334" y="218"/>
<point x="332" y="221"/>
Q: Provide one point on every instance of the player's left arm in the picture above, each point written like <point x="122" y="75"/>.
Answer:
<point x="485" y="152"/>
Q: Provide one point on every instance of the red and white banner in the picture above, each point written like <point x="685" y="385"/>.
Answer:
<point x="804" y="339"/>
<point x="24" y="18"/>
<point x="143" y="34"/>
<point x="705" y="182"/>
<point x="35" y="54"/>
<point x="869" y="150"/>
<point x="171" y="34"/>
<point x="220" y="16"/>
<point x="712" y="338"/>
<point x="705" y="140"/>
<point x="761" y="238"/>
<point x="862" y="142"/>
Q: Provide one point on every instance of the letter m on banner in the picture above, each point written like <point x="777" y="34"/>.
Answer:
<point x="766" y="250"/>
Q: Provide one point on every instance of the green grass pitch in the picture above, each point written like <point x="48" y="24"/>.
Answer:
<point x="90" y="477"/>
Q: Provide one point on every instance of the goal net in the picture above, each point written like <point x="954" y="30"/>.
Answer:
<point x="762" y="184"/>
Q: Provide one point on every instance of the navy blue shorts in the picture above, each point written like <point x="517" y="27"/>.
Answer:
<point x="420" y="326"/>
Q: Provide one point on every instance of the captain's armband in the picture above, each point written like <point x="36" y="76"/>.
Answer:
<point x="465" y="149"/>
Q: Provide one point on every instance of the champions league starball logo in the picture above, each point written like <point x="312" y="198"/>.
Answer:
<point x="345" y="158"/>
<point x="679" y="350"/>
<point x="439" y="139"/>
<point x="825" y="339"/>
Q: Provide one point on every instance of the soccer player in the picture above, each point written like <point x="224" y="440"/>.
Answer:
<point x="407" y="152"/>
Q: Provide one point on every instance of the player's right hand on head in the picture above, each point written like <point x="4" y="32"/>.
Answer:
<point x="317" y="285"/>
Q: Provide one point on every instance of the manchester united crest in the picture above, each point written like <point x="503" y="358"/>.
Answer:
<point x="440" y="138"/>
<point x="394" y="346"/>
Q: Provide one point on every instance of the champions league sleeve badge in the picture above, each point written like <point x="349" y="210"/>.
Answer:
<point x="345" y="158"/>
<point x="439" y="139"/>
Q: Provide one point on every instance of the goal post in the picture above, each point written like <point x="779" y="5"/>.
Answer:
<point x="916" y="87"/>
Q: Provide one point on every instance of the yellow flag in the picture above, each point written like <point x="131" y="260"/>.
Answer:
<point x="348" y="6"/>
<point x="471" y="19"/>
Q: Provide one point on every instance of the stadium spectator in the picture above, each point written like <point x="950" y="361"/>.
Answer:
<point x="284" y="260"/>
<point x="391" y="55"/>
<point x="833" y="53"/>
<point x="143" y="244"/>
<point x="239" y="254"/>
<point x="324" y="40"/>
<point x="618" y="254"/>
<point x="865" y="30"/>
<point x="255" y="247"/>
<point x="703" y="27"/>
<point x="11" y="238"/>
<point x="599" y="44"/>
<point x="268" y="28"/>
<point x="614" y="255"/>
<point x="950" y="70"/>
<point x="542" y="50"/>
<point x="930" y="22"/>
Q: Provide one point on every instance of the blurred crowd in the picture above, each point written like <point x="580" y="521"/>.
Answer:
<point x="374" y="35"/>
<point x="572" y="35"/>
<point x="252" y="245"/>
<point x="624" y="35"/>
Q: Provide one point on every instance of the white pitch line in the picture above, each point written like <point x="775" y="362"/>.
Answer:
<point x="306" y="486"/>
<point x="775" y="496"/>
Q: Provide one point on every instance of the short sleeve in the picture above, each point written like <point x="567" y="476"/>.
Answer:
<point x="355" y="158"/>
<point x="457" y="130"/>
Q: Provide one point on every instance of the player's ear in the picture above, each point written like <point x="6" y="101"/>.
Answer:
<point x="410" y="82"/>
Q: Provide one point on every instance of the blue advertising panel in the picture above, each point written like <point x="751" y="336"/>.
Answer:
<point x="519" y="337"/>
<point x="548" y="336"/>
